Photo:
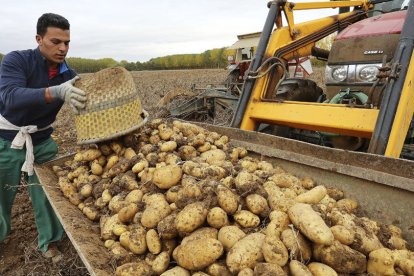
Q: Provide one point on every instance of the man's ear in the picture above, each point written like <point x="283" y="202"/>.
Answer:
<point x="39" y="40"/>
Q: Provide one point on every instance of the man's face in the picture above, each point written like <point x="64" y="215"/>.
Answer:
<point x="54" y="45"/>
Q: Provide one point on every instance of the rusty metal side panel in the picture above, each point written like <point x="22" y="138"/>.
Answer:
<point x="83" y="233"/>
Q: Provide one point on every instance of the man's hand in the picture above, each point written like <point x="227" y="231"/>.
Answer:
<point x="70" y="94"/>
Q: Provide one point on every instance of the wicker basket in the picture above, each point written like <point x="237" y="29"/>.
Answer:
<point x="113" y="107"/>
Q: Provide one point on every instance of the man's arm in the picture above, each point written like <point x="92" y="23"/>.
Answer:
<point x="13" y="91"/>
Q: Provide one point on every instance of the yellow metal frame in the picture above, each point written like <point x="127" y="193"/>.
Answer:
<point x="403" y="116"/>
<point x="334" y="118"/>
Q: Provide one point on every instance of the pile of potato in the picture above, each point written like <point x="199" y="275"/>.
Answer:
<point x="176" y="199"/>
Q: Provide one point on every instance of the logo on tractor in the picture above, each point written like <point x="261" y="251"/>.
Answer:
<point x="373" y="52"/>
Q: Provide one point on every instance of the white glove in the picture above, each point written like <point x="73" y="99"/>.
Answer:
<point x="70" y="94"/>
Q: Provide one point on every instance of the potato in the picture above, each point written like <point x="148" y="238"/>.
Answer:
<point x="176" y="271"/>
<point x="153" y="241"/>
<point x="364" y="241"/>
<point x="129" y="182"/>
<point x="109" y="243"/>
<point x="75" y="199"/>
<point x="188" y="194"/>
<point x="221" y="142"/>
<point x="297" y="268"/>
<point x="90" y="155"/>
<point x="237" y="153"/>
<point x="129" y="153"/>
<point x="172" y="159"/>
<point x="140" y="166"/>
<point x="137" y="240"/>
<point x="213" y="157"/>
<point x="298" y="246"/>
<point x="342" y="258"/>
<point x="168" y="146"/>
<point x="248" y="165"/>
<point x="343" y="234"/>
<point x="313" y="196"/>
<point x="245" y="253"/>
<point x="161" y="262"/>
<point x="91" y="213"/>
<point x="119" y="253"/>
<point x="199" y="273"/>
<point x="214" y="172"/>
<point x="268" y="269"/>
<point x="246" y="219"/>
<point x="146" y="175"/>
<point x="187" y="152"/>
<point x="131" y="269"/>
<point x="86" y="190"/>
<point x="166" y="227"/>
<point x="106" y="196"/>
<point x="227" y="200"/>
<point x="217" y="218"/>
<point x="169" y="246"/>
<point x="257" y="204"/>
<point x="168" y="176"/>
<point x="165" y="132"/>
<point x="96" y="168"/>
<point x="127" y="213"/>
<point x="319" y="269"/>
<point x="134" y="196"/>
<point x="119" y="229"/>
<point x="205" y="147"/>
<point x="246" y="182"/>
<point x="157" y="209"/>
<point x="274" y="251"/>
<point x="229" y="235"/>
<point x="122" y="166"/>
<point x="172" y="194"/>
<point x="284" y="180"/>
<point x="111" y="161"/>
<point x="307" y="183"/>
<point x="107" y="224"/>
<point x="117" y="203"/>
<point x="124" y="239"/>
<point x="310" y="224"/>
<point x="198" y="253"/>
<point x="204" y="232"/>
<point x="193" y="169"/>
<point x="218" y="269"/>
<point x="247" y="271"/>
<point x="105" y="149"/>
<point x="191" y="217"/>
<point x="116" y="147"/>
<point x="381" y="262"/>
<point x="407" y="266"/>
<point x="265" y="166"/>
<point x="347" y="204"/>
<point x="275" y="227"/>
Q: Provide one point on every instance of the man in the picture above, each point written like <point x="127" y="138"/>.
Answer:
<point x="34" y="84"/>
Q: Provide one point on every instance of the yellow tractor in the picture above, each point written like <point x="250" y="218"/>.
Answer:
<point x="369" y="100"/>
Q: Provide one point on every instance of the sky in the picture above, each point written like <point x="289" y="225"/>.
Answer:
<point x="139" y="30"/>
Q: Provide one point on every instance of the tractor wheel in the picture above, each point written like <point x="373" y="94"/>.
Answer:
<point x="297" y="89"/>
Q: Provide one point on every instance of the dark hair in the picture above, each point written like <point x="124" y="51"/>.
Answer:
<point x="51" y="20"/>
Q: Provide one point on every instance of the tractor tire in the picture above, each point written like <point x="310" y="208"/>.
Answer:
<point x="298" y="89"/>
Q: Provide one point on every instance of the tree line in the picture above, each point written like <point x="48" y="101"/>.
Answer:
<point x="215" y="58"/>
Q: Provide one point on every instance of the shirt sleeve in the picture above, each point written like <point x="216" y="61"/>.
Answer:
<point x="13" y="79"/>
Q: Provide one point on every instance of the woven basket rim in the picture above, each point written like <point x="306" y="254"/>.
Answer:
<point x="119" y="134"/>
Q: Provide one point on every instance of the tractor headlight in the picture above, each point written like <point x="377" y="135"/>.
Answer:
<point x="367" y="73"/>
<point x="336" y="73"/>
<point x="340" y="73"/>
